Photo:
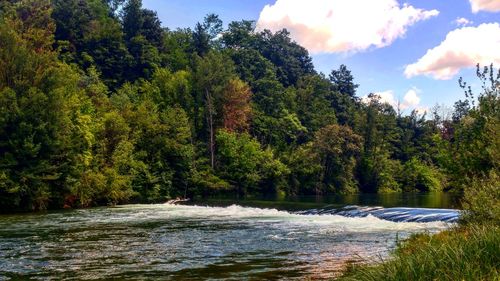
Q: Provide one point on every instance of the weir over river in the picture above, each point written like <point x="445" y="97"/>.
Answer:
<point x="204" y="242"/>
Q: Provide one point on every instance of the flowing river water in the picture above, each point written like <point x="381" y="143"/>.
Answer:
<point x="204" y="241"/>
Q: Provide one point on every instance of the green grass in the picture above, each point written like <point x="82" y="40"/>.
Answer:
<point x="465" y="253"/>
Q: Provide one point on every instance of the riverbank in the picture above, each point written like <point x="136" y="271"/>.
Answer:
<point x="464" y="253"/>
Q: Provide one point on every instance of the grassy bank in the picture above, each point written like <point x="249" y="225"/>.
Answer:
<point x="465" y="253"/>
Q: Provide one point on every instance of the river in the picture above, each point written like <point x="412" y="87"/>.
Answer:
<point x="214" y="239"/>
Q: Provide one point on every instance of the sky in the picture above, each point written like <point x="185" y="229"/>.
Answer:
<point x="413" y="52"/>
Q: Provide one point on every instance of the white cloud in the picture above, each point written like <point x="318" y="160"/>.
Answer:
<point x="385" y="97"/>
<point x="462" y="48"/>
<point x="328" y="26"/>
<point x="463" y="22"/>
<point x="485" y="5"/>
<point x="411" y="99"/>
<point x="422" y="110"/>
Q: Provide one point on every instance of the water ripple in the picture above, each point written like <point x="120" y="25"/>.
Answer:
<point x="147" y="242"/>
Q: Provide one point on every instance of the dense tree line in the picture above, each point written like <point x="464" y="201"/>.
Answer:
<point x="99" y="104"/>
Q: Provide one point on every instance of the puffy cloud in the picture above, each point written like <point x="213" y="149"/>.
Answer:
<point x="411" y="99"/>
<point x="385" y="97"/>
<point x="463" y="22"/>
<point x="327" y="26"/>
<point x="485" y="5"/>
<point x="463" y="47"/>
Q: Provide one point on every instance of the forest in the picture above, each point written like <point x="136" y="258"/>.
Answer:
<point x="100" y="105"/>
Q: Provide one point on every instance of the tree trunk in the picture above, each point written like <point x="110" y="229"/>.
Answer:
<point x="210" y="121"/>
<point x="320" y="183"/>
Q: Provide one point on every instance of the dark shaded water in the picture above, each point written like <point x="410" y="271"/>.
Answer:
<point x="216" y="242"/>
<point x="389" y="200"/>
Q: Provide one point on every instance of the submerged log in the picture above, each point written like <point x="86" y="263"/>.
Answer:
<point x="177" y="201"/>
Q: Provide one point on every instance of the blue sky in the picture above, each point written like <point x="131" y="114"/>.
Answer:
<point x="377" y="67"/>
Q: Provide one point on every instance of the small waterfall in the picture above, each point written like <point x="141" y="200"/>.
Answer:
<point x="399" y="214"/>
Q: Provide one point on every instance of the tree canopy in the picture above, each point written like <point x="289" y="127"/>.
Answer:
<point x="99" y="104"/>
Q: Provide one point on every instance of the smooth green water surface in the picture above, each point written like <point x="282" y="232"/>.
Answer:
<point x="416" y="200"/>
<point x="212" y="240"/>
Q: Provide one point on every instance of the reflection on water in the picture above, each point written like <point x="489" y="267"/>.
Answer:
<point x="167" y="242"/>
<point x="418" y="200"/>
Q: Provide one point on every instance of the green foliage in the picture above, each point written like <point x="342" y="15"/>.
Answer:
<point x="21" y="66"/>
<point x="337" y="147"/>
<point x="379" y="130"/>
<point x="421" y="176"/>
<point x="163" y="143"/>
<point x="313" y="93"/>
<point x="244" y="164"/>
<point x="305" y="168"/>
<point x="172" y="89"/>
<point x="389" y="175"/>
<point x="475" y="148"/>
<point x="99" y="104"/>
<point x="292" y="60"/>
<point x="482" y="199"/>
<point x="470" y="253"/>
<point x="205" y="34"/>
<point x="275" y="119"/>
<point x="468" y="150"/>
<point x="240" y="34"/>
<point x="45" y="122"/>
<point x="87" y="35"/>
<point x="343" y="81"/>
<point x="144" y="38"/>
<point x="252" y="67"/>
<point x="416" y="138"/>
<point x="145" y="58"/>
<point x="176" y="54"/>
<point x="211" y="75"/>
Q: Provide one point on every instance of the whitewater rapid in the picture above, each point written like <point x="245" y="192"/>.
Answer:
<point x="341" y="222"/>
<point x="182" y="242"/>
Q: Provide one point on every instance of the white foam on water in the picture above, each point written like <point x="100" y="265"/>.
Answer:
<point x="277" y="217"/>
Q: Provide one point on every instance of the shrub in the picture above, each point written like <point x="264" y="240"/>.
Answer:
<point x="422" y="177"/>
<point x="482" y="199"/>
